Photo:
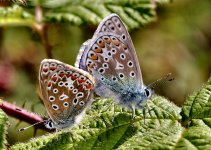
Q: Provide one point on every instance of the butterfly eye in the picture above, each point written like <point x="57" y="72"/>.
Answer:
<point x="147" y="92"/>
<point x="50" y="124"/>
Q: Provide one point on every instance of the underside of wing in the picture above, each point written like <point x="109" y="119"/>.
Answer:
<point x="65" y="90"/>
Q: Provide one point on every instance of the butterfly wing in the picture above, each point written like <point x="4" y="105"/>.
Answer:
<point x="110" y="56"/>
<point x="65" y="90"/>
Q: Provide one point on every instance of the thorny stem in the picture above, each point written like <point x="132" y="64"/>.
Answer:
<point x="23" y="115"/>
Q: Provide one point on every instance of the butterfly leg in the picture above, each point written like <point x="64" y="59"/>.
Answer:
<point x="114" y="113"/>
<point x="133" y="114"/>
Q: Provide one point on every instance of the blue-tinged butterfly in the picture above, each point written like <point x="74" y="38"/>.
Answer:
<point x="111" y="58"/>
<point x="66" y="92"/>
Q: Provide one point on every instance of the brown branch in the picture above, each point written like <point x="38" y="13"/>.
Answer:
<point x="43" y="31"/>
<point x="23" y="115"/>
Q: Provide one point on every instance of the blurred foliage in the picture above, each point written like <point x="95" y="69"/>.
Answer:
<point x="3" y="130"/>
<point x="179" y="41"/>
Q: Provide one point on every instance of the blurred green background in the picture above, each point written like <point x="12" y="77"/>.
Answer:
<point x="179" y="41"/>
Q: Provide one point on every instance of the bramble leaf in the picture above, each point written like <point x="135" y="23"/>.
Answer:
<point x="162" y="128"/>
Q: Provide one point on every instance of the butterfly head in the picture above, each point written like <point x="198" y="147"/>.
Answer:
<point x="136" y="97"/>
<point x="146" y="94"/>
<point x="49" y="124"/>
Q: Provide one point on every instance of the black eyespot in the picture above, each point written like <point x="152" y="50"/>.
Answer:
<point x="123" y="37"/>
<point x="121" y="75"/>
<point x="147" y="92"/>
<point x="101" y="70"/>
<point x="75" y="100"/>
<point x="109" y="53"/>
<point x="50" y="124"/>
<point x="114" y="78"/>
<point x="112" y="28"/>
<point x="113" y="50"/>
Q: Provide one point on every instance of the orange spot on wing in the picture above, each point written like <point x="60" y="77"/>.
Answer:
<point x="102" y="44"/>
<point x="49" y="84"/>
<point x="54" y="79"/>
<point x="52" y="68"/>
<point x="94" y="57"/>
<point x="108" y="41"/>
<point x="73" y="77"/>
<point x="88" y="86"/>
<point x="81" y="81"/>
<point x="98" y="50"/>
<point x="91" y="65"/>
<point x="61" y="74"/>
<point x="68" y="75"/>
<point x="45" y="69"/>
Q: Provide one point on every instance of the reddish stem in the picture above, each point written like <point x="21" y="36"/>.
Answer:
<point x="23" y="114"/>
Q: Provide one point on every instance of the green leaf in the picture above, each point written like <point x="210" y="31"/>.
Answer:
<point x="134" y="13"/>
<point x="162" y="128"/>
<point x="98" y="131"/>
<point x="198" y="106"/>
<point x="3" y="130"/>
<point x="15" y="15"/>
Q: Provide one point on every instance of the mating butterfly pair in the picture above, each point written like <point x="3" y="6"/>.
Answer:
<point x="110" y="59"/>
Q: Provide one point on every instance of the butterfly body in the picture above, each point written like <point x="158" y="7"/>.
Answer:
<point x="111" y="58"/>
<point x="66" y="92"/>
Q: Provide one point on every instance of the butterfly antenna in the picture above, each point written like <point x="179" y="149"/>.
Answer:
<point x="22" y="129"/>
<point x="162" y="80"/>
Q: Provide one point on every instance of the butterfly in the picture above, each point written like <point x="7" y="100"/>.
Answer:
<point x="66" y="92"/>
<point x="111" y="58"/>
